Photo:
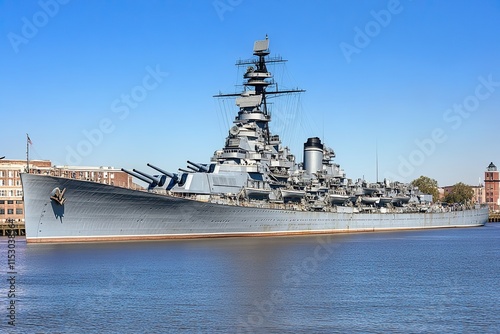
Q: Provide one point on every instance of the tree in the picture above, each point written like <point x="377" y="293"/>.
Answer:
<point x="461" y="193"/>
<point x="427" y="186"/>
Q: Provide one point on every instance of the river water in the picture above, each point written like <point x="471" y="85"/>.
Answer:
<point x="432" y="281"/>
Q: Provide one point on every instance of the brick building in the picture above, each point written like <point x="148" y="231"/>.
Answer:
<point x="492" y="187"/>
<point x="11" y="192"/>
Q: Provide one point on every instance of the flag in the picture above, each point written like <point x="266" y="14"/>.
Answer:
<point x="29" y="140"/>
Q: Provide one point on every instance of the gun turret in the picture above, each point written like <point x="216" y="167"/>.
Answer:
<point x="201" y="168"/>
<point x="155" y="180"/>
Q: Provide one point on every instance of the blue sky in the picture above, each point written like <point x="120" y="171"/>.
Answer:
<point x="124" y="83"/>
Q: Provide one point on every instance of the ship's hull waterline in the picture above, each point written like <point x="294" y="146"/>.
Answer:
<point x="99" y="212"/>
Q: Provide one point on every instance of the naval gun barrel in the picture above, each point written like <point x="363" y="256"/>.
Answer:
<point x="140" y="177"/>
<point x="155" y="180"/>
<point x="170" y="175"/>
<point x="201" y="168"/>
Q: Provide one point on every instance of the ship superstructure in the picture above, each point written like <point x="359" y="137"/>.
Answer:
<point x="255" y="168"/>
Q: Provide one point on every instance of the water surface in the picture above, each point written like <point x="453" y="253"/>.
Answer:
<point x="433" y="281"/>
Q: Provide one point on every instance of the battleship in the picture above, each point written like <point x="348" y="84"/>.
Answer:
<point x="253" y="186"/>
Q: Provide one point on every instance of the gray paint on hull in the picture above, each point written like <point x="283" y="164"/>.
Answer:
<point x="94" y="211"/>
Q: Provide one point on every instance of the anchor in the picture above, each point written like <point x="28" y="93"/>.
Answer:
<point x="57" y="195"/>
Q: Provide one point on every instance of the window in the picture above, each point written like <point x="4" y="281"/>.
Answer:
<point x="19" y="211"/>
<point x="10" y="211"/>
<point x="11" y="174"/>
<point x="19" y="193"/>
<point x="2" y="202"/>
<point x="19" y="202"/>
<point x="2" y="182"/>
<point x="10" y="202"/>
<point x="2" y="211"/>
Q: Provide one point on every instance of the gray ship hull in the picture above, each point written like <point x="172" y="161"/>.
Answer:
<point x="99" y="212"/>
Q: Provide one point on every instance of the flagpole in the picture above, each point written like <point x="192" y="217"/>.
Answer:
<point x="27" y="154"/>
<point x="376" y="158"/>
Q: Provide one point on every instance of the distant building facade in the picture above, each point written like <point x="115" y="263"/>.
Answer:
<point x="441" y="193"/>
<point x="492" y="187"/>
<point x="11" y="191"/>
<point x="445" y="191"/>
<point x="478" y="197"/>
<point x="479" y="194"/>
